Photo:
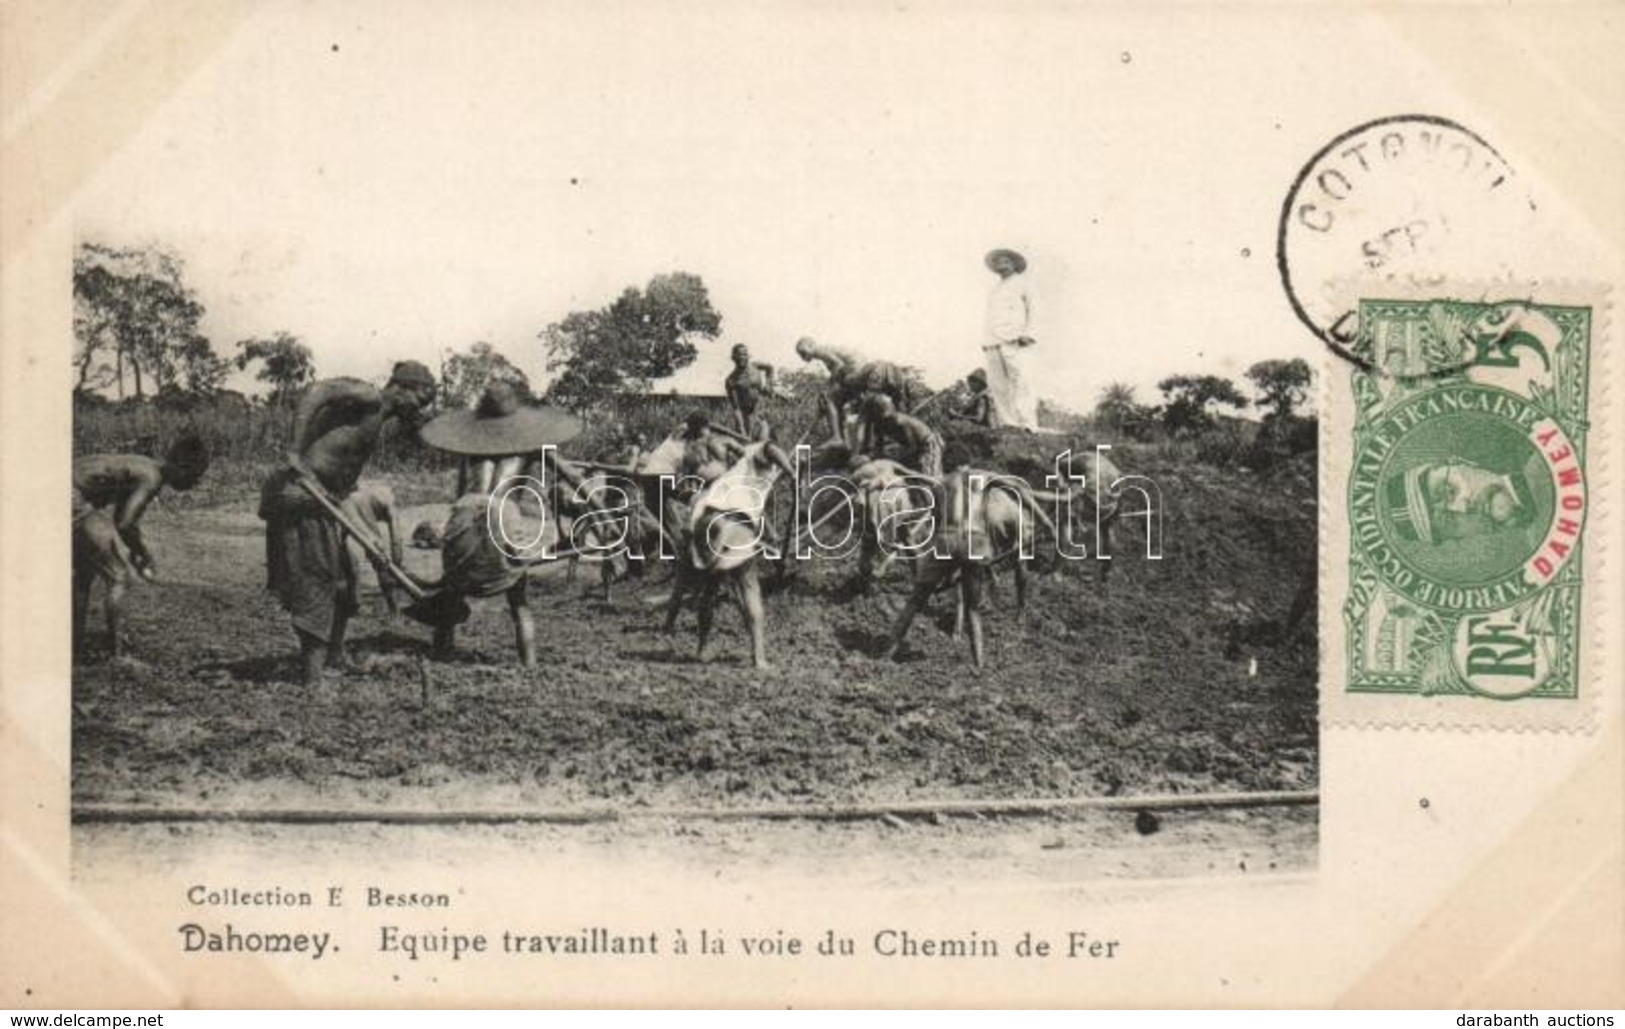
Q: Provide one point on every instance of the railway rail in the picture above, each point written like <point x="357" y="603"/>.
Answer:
<point x="130" y="814"/>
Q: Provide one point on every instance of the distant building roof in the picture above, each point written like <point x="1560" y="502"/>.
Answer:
<point x="703" y="378"/>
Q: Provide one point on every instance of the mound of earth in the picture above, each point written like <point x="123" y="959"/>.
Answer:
<point x="1178" y="671"/>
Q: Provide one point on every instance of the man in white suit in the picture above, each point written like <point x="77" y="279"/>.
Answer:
<point x="1012" y="332"/>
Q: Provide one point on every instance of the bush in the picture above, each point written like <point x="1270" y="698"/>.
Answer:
<point x="1282" y="439"/>
<point x="1225" y="444"/>
<point x="246" y="441"/>
<point x="145" y="427"/>
<point x="256" y="435"/>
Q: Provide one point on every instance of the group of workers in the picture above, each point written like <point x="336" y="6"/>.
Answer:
<point x="339" y="423"/>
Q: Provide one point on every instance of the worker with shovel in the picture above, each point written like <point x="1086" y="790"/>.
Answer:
<point x="336" y="429"/>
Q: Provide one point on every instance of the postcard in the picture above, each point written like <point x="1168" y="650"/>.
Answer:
<point x="811" y="504"/>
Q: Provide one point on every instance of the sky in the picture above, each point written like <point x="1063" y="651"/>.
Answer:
<point x="398" y="180"/>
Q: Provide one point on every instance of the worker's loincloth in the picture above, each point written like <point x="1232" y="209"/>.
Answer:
<point x="472" y="561"/>
<point x="307" y="565"/>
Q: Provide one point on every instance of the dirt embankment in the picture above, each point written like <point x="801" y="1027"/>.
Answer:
<point x="1167" y="677"/>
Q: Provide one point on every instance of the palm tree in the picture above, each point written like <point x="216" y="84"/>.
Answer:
<point x="1117" y="407"/>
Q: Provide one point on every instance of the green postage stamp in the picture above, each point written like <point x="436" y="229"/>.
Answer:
<point x="1467" y="494"/>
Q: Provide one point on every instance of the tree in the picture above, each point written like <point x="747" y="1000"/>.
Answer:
<point x="1118" y="410"/>
<point x="200" y="370"/>
<point x="1284" y="385"/>
<point x="1284" y="433"/>
<point x="136" y="320"/>
<point x="463" y="377"/>
<point x="1187" y="399"/>
<point x="287" y="365"/>
<point x="644" y="335"/>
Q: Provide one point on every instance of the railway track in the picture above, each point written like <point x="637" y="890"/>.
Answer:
<point x="128" y="814"/>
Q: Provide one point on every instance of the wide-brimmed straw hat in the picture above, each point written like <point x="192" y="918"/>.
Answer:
<point x="499" y="425"/>
<point x="1015" y="258"/>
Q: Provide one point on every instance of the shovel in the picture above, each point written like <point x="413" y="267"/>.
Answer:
<point x="429" y="604"/>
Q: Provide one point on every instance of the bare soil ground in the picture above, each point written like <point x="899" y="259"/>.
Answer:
<point x="1148" y="684"/>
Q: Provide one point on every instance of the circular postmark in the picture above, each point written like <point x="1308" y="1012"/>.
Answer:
<point x="1410" y="197"/>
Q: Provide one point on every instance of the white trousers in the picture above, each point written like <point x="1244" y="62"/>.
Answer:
<point x="1010" y="385"/>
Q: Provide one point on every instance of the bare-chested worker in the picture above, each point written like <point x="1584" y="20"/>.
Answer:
<point x="888" y="492"/>
<point x="601" y="512"/>
<point x="630" y="446"/>
<point x="707" y="453"/>
<point x="919" y="445"/>
<point x="336" y="429"/>
<point x="850" y="378"/>
<point x="473" y="565"/>
<point x="372" y="508"/>
<point x="500" y="524"/>
<point x="728" y="529"/>
<point x="746" y="385"/>
<point x="961" y="552"/>
<point x="980" y="518"/>
<point x="110" y="494"/>
<point x="978" y="407"/>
